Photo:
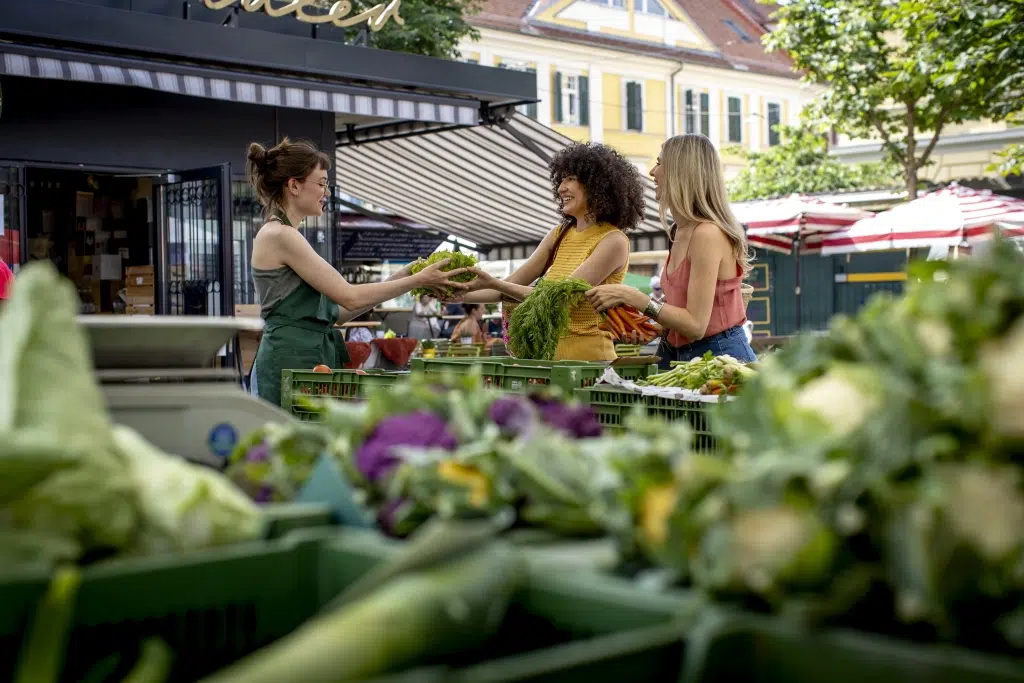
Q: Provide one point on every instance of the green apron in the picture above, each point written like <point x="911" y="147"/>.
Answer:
<point x="299" y="334"/>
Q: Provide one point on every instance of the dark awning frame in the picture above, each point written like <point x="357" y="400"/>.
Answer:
<point x="235" y="86"/>
<point x="403" y="92"/>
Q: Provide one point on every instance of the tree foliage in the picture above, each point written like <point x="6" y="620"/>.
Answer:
<point x="901" y="69"/>
<point x="802" y="164"/>
<point x="432" y="27"/>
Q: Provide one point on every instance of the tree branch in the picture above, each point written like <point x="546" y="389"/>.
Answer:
<point x="886" y="140"/>
<point x="939" y="125"/>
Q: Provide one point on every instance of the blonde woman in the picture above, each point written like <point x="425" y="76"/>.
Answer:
<point x="707" y="261"/>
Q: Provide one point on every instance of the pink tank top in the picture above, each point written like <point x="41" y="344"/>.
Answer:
<point x="727" y="311"/>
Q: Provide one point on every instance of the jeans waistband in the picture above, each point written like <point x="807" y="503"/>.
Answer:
<point x="718" y="335"/>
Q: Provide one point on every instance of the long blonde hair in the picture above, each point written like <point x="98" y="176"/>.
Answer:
<point x="693" y="190"/>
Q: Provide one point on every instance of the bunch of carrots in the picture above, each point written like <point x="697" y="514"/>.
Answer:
<point x="627" y="324"/>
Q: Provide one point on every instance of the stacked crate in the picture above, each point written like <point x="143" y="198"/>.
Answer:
<point x="139" y="290"/>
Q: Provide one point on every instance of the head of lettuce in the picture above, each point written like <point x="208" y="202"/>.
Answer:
<point x="74" y="486"/>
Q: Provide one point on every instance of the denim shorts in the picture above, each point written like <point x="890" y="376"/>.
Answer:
<point x="732" y="342"/>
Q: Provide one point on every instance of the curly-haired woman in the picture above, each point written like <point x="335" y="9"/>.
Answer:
<point x="708" y="259"/>
<point x="601" y="198"/>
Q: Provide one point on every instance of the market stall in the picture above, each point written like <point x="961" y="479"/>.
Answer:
<point x="794" y="225"/>
<point x="172" y="94"/>
<point x="859" y="513"/>
<point x="950" y="217"/>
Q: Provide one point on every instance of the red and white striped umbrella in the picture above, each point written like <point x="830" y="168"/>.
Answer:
<point x="777" y="224"/>
<point x="946" y="217"/>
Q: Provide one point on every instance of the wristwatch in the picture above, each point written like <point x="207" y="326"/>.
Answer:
<point x="653" y="309"/>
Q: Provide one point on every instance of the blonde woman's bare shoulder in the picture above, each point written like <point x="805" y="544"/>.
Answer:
<point x="710" y="233"/>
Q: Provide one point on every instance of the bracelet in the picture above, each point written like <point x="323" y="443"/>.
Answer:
<point x="653" y="309"/>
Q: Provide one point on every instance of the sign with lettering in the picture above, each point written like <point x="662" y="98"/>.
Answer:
<point x="318" y="12"/>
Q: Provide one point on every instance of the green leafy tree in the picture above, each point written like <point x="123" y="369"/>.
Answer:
<point x="900" y="69"/>
<point x="802" y="164"/>
<point x="432" y="27"/>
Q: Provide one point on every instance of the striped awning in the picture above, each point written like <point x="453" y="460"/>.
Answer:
<point x="778" y="224"/>
<point x="949" y="217"/>
<point x="359" y="104"/>
<point x="488" y="185"/>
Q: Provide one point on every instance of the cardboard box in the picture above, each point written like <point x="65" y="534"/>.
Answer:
<point x="139" y="280"/>
<point x="138" y="270"/>
<point x="140" y="300"/>
<point x="138" y="310"/>
<point x="140" y="291"/>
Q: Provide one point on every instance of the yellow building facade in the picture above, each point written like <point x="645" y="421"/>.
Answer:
<point x="632" y="73"/>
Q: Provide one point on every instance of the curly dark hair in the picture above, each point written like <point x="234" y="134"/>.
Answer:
<point x="615" y="192"/>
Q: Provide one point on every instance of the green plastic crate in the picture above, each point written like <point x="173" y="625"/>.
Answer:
<point x="283" y="518"/>
<point x="612" y="404"/>
<point x="347" y="385"/>
<point x="756" y="649"/>
<point x="517" y="375"/>
<point x="217" y="606"/>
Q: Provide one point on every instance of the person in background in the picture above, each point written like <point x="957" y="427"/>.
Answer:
<point x="301" y="295"/>
<point x="361" y="334"/>
<point x="470" y="330"/>
<point x="707" y="261"/>
<point x="425" y="311"/>
<point x="656" y="292"/>
<point x="6" y="281"/>
<point x="601" y="198"/>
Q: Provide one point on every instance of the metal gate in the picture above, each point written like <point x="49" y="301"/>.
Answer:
<point x="193" y="236"/>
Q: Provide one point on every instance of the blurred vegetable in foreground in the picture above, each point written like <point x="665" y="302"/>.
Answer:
<point x="72" y="486"/>
<point x="433" y="612"/>
<point x="873" y="475"/>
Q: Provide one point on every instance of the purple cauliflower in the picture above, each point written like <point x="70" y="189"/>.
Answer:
<point x="376" y="458"/>
<point x="513" y="414"/>
<point x="258" y="453"/>
<point x="578" y="421"/>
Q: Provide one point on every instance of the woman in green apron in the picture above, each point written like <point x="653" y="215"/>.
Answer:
<point x="301" y="295"/>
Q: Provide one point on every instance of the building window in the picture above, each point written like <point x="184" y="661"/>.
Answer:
<point x="743" y="35"/>
<point x="634" y="106"/>
<point x="705" y="116"/>
<point x="571" y="98"/>
<point x="526" y="109"/>
<point x="774" y="119"/>
<point x="650" y="7"/>
<point x="695" y="112"/>
<point x="618" y="4"/>
<point x="735" y="119"/>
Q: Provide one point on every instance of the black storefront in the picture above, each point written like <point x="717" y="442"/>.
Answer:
<point x="125" y="125"/>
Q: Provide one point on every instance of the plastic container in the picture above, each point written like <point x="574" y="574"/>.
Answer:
<point x="516" y="375"/>
<point x="217" y="606"/>
<point x="341" y="384"/>
<point x="612" y="404"/>
<point x="283" y="518"/>
<point x="754" y="649"/>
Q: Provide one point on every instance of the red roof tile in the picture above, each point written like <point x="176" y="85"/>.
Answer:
<point x="735" y="47"/>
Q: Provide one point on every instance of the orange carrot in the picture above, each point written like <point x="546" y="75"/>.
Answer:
<point x="617" y="327"/>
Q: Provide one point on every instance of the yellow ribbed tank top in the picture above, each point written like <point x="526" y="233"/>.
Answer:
<point x="584" y="340"/>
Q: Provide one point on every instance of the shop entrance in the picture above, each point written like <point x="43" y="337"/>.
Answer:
<point x="133" y="243"/>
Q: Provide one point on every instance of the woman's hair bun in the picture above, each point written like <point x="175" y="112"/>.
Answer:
<point x="257" y="155"/>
